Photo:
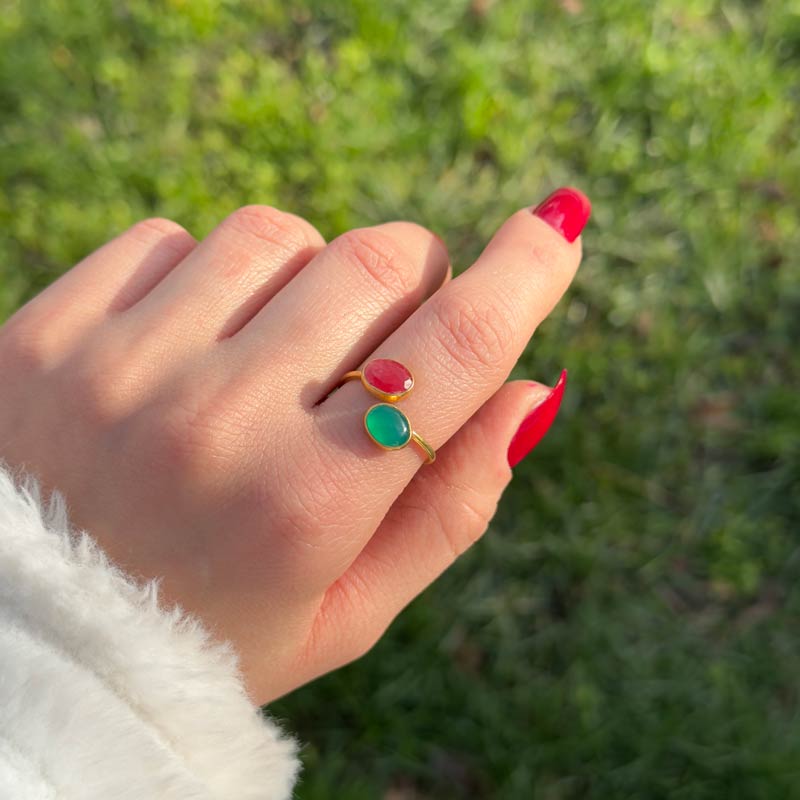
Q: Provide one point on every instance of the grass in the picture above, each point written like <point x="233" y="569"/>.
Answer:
<point x="629" y="626"/>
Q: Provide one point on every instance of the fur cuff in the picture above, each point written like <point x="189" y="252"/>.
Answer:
<point x="103" y="694"/>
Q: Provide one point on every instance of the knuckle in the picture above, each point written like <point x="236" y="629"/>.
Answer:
<point x="475" y="333"/>
<point x="271" y="226"/>
<point x="359" y="646"/>
<point x="380" y="258"/>
<point x="163" y="231"/>
<point x="465" y="519"/>
<point x="475" y="510"/>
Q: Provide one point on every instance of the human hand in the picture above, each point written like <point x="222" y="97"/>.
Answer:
<point x="179" y="395"/>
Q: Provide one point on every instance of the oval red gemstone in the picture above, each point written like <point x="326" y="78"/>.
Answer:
<point x="388" y="376"/>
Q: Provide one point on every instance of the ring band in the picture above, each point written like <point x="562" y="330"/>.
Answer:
<point x="384" y="423"/>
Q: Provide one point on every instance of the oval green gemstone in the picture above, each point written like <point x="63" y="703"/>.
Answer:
<point x="388" y="426"/>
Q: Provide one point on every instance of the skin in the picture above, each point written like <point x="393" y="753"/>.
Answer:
<point x="180" y="395"/>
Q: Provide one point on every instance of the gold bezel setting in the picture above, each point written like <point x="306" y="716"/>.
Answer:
<point x="395" y="410"/>
<point x="388" y="399"/>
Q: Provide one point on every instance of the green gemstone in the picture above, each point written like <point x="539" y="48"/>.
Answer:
<point x="388" y="426"/>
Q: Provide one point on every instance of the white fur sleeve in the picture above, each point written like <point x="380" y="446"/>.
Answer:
<point x="103" y="694"/>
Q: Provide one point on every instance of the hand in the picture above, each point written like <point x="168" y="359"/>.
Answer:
<point x="179" y="395"/>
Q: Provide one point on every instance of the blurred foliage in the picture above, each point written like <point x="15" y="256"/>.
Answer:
<point x="629" y="627"/>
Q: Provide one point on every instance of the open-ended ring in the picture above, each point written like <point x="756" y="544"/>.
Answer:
<point x="386" y="424"/>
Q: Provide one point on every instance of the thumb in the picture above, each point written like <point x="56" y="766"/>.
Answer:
<point x="445" y="508"/>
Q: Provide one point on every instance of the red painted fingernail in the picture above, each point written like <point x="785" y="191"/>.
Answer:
<point x="536" y="424"/>
<point x="566" y="210"/>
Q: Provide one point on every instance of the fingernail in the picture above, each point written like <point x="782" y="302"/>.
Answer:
<point x="536" y="424"/>
<point x="566" y="210"/>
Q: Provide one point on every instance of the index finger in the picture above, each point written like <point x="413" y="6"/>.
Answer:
<point x="460" y="346"/>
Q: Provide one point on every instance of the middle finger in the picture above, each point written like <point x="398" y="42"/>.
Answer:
<point x="346" y="300"/>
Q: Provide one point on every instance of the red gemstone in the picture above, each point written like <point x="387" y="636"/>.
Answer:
<point x="388" y="376"/>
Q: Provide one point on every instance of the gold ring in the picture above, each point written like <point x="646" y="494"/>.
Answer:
<point x="386" y="424"/>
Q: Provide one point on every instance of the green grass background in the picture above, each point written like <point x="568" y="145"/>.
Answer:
<point x="629" y="626"/>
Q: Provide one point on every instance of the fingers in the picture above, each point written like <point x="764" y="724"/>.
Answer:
<point x="460" y="345"/>
<point x="348" y="299"/>
<point x="109" y="280"/>
<point x="230" y="275"/>
<point x="440" y="514"/>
